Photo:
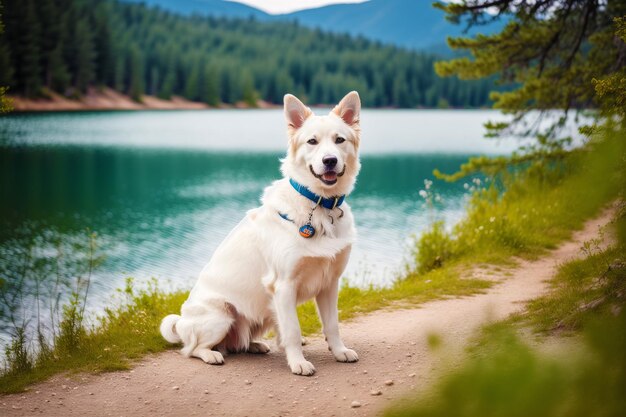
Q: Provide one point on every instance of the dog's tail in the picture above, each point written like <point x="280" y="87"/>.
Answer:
<point x="168" y="328"/>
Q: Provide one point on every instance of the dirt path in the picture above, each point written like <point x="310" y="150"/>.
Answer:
<point x="392" y="346"/>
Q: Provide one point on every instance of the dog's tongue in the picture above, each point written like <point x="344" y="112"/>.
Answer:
<point x="329" y="176"/>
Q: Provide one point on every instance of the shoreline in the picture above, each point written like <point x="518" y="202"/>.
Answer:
<point x="107" y="99"/>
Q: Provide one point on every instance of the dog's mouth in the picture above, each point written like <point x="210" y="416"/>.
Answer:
<point x="328" y="177"/>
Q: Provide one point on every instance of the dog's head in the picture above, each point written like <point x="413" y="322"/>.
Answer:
<point x="323" y="150"/>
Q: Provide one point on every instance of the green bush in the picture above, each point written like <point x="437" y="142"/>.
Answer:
<point x="523" y="212"/>
<point x="434" y="248"/>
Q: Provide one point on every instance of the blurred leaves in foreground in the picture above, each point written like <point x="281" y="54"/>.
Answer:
<point x="512" y="380"/>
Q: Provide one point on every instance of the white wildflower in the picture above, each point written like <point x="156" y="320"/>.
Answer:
<point x="492" y="219"/>
<point x="423" y="193"/>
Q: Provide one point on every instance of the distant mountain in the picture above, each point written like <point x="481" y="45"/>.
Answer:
<point x="218" y="8"/>
<point x="412" y="24"/>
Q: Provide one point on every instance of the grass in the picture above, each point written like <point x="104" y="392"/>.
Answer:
<point x="583" y="289"/>
<point x="502" y="375"/>
<point x="412" y="290"/>
<point x="505" y="377"/>
<point x="541" y="206"/>
<point x="508" y="378"/>
<point x="122" y="335"/>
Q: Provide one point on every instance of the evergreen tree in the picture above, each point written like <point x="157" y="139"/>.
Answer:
<point x="105" y="62"/>
<point x="85" y="56"/>
<point x="550" y="50"/>
<point x="192" y="86"/>
<point x="169" y="83"/>
<point x="50" y="37"/>
<point x="28" y="60"/>
<point x="211" y="86"/>
<point x="136" y="88"/>
<point x="131" y="48"/>
<point x="119" y="82"/>
<point x="154" y="81"/>
<point x="6" y="65"/>
<point x="58" y="76"/>
<point x="249" y="94"/>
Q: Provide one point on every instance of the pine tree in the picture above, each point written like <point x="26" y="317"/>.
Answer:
<point x="50" y="38"/>
<point x="58" y="76"/>
<point x="211" y="86"/>
<point x="131" y="48"/>
<point x="550" y="50"/>
<point x="169" y="84"/>
<point x="119" y="81"/>
<point x="192" y="86"/>
<point x="85" y="56"/>
<point x="249" y="94"/>
<point x="28" y="67"/>
<point x="136" y="88"/>
<point x="6" y="65"/>
<point x="153" y="90"/>
<point x="105" y="62"/>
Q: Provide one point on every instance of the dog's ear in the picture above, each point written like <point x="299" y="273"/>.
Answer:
<point x="295" y="112"/>
<point x="349" y="108"/>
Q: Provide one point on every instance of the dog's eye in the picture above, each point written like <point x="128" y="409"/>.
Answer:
<point x="340" y="140"/>
<point x="312" y="141"/>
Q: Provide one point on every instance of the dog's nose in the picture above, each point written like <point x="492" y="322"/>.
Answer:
<point x="329" y="161"/>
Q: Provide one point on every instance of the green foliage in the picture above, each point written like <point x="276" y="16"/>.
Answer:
<point x="435" y="247"/>
<point x="122" y="335"/>
<point x="16" y="353"/>
<point x="74" y="44"/>
<point x="84" y="63"/>
<point x="551" y="50"/>
<point x="523" y="211"/>
<point x="505" y="377"/>
<point x="136" y="88"/>
<point x="6" y="104"/>
<point x="611" y="89"/>
<point x="583" y="289"/>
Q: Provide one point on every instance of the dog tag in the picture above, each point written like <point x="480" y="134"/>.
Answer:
<point x="307" y="231"/>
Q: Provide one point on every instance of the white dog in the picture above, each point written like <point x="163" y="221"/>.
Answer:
<point x="291" y="249"/>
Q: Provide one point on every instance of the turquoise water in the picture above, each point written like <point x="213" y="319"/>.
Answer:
<point x="162" y="189"/>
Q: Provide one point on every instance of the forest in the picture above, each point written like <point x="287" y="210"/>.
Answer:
<point x="71" y="46"/>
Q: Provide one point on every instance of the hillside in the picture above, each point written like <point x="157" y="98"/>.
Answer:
<point x="73" y="45"/>
<point x="217" y="8"/>
<point x="406" y="23"/>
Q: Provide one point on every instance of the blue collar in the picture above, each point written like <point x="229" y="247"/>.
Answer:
<point x="329" y="203"/>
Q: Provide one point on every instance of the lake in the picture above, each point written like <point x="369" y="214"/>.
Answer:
<point x="162" y="189"/>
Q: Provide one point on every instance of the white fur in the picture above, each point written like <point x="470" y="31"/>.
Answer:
<point x="264" y="268"/>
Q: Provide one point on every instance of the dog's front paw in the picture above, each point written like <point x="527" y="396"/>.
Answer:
<point x="210" y="356"/>
<point x="305" y="368"/>
<point x="346" y="355"/>
<point x="258" y="347"/>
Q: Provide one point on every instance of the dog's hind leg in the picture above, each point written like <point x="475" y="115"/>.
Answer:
<point x="256" y="332"/>
<point x="205" y="331"/>
<point x="258" y="347"/>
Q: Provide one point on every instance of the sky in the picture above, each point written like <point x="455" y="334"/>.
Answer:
<point x="286" y="6"/>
